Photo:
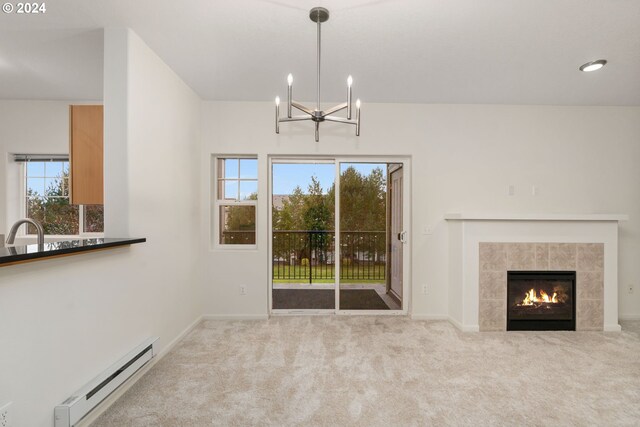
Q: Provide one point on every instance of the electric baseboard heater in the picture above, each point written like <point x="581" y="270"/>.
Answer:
<point x="75" y="408"/>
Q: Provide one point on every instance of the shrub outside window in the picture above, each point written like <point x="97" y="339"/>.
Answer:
<point x="236" y="200"/>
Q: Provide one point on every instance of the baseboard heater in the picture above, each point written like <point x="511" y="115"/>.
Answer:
<point x="75" y="408"/>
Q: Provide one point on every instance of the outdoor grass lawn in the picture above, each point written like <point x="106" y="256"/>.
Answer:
<point x="325" y="274"/>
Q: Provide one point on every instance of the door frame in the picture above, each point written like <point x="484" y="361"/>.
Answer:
<point x="337" y="160"/>
<point x="390" y="236"/>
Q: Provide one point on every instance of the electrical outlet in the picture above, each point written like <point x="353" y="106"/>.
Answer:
<point x="424" y="289"/>
<point x="534" y="190"/>
<point x="512" y="190"/>
<point x="630" y="289"/>
<point x="243" y="290"/>
<point x="5" y="416"/>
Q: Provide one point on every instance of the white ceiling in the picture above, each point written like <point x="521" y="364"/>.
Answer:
<point x="426" y="51"/>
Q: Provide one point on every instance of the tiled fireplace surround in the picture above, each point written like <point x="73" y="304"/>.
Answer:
<point x="586" y="259"/>
<point x="484" y="247"/>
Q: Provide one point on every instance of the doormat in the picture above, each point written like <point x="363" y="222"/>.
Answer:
<point x="324" y="299"/>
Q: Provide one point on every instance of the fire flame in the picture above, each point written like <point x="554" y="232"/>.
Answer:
<point x="532" y="297"/>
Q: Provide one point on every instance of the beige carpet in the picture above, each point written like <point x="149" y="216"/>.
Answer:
<point x="386" y="371"/>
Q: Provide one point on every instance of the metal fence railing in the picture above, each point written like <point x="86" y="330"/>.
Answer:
<point x="308" y="256"/>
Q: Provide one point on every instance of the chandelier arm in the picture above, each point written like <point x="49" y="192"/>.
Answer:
<point x="302" y="108"/>
<point x="335" y="109"/>
<point x="294" y="119"/>
<point x="340" y="120"/>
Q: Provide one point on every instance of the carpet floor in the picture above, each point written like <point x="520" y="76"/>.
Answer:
<point x="316" y="299"/>
<point x="386" y="371"/>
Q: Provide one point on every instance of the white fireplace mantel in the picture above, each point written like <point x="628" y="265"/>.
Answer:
<point x="468" y="230"/>
<point x="533" y="217"/>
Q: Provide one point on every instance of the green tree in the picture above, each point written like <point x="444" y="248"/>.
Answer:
<point x="240" y="223"/>
<point x="363" y="207"/>
<point x="363" y="200"/>
<point x="290" y="217"/>
<point x="317" y="215"/>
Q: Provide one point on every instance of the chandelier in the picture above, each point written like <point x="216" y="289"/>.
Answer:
<point x="318" y="15"/>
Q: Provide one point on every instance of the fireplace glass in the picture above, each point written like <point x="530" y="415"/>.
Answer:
<point x="541" y="300"/>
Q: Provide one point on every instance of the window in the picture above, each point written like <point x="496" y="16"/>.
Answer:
<point x="236" y="200"/>
<point x="47" y="200"/>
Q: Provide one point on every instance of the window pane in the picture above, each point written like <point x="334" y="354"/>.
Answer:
<point x="93" y="218"/>
<point x="249" y="168"/>
<point x="231" y="168"/>
<point x="248" y="190"/>
<point x="56" y="215"/>
<point x="35" y="187"/>
<point x="47" y="201"/>
<point x="230" y="190"/>
<point x="237" y="225"/>
<point x="53" y="169"/>
<point x="53" y="187"/>
<point x="35" y="168"/>
<point x="35" y="210"/>
<point x="61" y="217"/>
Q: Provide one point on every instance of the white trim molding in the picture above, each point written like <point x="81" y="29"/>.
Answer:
<point x="534" y="217"/>
<point x="235" y="317"/>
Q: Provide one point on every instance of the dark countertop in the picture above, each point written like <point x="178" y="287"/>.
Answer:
<point x="16" y="254"/>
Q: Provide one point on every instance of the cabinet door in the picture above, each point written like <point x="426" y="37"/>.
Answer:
<point x="86" y="154"/>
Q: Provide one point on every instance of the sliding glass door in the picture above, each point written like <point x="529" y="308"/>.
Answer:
<point x="303" y="235"/>
<point x="337" y="236"/>
<point x="365" y="250"/>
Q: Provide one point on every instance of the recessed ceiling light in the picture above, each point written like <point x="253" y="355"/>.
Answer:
<point x="593" y="65"/>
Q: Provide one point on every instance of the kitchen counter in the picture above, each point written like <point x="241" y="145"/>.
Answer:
<point x="20" y="254"/>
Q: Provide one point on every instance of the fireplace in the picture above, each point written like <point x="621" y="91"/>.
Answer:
<point x="541" y="300"/>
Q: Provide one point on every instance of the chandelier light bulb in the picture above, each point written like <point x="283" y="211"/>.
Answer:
<point x="290" y="79"/>
<point x="349" y="81"/>
<point x="277" y="100"/>
<point x="358" y="103"/>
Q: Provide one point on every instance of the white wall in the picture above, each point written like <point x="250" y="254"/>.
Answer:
<point x="63" y="321"/>
<point x="464" y="157"/>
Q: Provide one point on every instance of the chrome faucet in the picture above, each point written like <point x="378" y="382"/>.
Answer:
<point x="11" y="237"/>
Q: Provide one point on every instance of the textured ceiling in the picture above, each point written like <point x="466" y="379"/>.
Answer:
<point x="426" y="51"/>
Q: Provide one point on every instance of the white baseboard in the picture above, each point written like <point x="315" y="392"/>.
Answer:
<point x="463" y="328"/>
<point x="629" y="316"/>
<point x="235" y="317"/>
<point x="111" y="399"/>
<point x="612" y="328"/>
<point x="429" y="317"/>
<point x="458" y="325"/>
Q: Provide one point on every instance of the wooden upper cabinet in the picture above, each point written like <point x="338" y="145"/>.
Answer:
<point x="86" y="154"/>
